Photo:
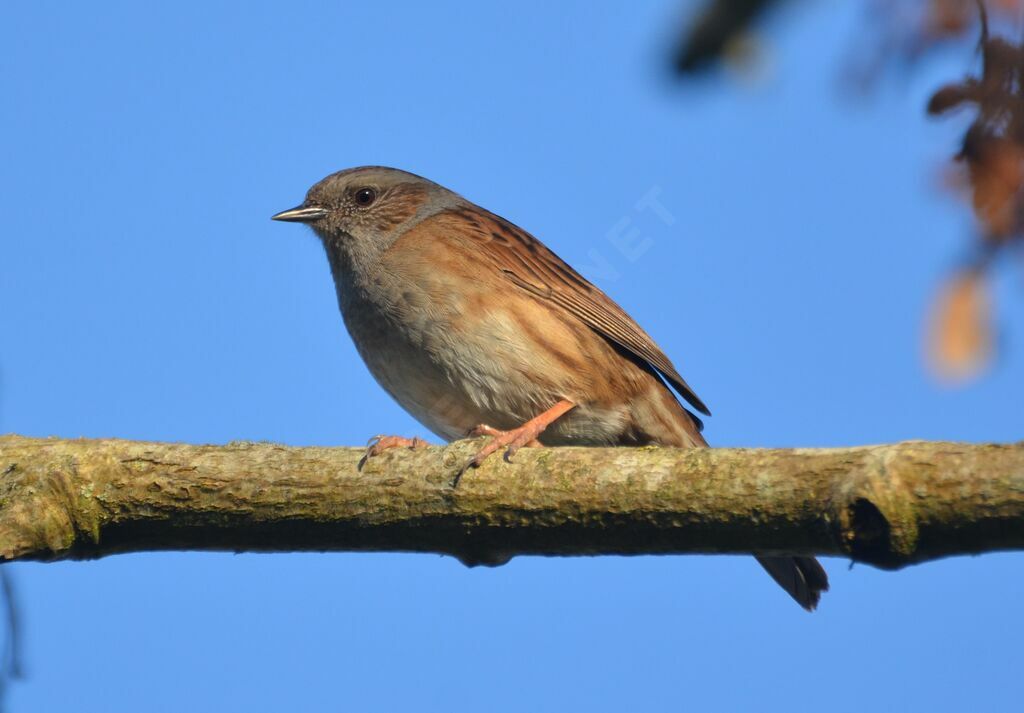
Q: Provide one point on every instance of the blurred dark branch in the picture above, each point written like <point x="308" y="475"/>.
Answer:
<point x="717" y="25"/>
<point x="11" y="661"/>
<point x="885" y="505"/>
<point x="990" y="167"/>
<point x="11" y="666"/>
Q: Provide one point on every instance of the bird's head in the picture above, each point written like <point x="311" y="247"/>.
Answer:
<point x="361" y="211"/>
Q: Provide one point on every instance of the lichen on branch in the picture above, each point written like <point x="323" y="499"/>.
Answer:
<point x="889" y="506"/>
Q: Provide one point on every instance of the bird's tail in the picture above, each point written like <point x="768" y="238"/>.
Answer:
<point x="802" y="577"/>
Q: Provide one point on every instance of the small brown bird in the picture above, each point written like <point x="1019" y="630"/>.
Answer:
<point x="476" y="328"/>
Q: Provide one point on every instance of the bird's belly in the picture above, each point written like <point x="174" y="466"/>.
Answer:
<point x="452" y="371"/>
<point x="452" y="365"/>
<point x="414" y="380"/>
<point x="446" y="381"/>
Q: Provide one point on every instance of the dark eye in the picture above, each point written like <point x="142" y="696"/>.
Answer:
<point x="365" y="196"/>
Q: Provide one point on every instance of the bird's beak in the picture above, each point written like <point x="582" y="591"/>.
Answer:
<point x="301" y="214"/>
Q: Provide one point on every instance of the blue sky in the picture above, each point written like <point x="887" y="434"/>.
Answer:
<point x="146" y="294"/>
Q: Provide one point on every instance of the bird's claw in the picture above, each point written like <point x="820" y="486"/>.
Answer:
<point x="380" y="443"/>
<point x="522" y="437"/>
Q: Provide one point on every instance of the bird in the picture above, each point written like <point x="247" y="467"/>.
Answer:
<point x="475" y="327"/>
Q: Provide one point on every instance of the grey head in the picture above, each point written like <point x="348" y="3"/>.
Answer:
<point x="359" y="212"/>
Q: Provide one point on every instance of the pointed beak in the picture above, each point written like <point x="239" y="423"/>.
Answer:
<point x="301" y="214"/>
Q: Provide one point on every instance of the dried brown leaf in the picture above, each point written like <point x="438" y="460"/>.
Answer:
<point x="960" y="340"/>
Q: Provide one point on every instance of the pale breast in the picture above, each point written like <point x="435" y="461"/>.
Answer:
<point x="456" y="346"/>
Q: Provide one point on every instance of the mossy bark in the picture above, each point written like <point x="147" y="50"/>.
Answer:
<point x="888" y="505"/>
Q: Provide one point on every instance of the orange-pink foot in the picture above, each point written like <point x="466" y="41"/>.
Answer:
<point x="511" y="441"/>
<point x="379" y="444"/>
<point x="523" y="437"/>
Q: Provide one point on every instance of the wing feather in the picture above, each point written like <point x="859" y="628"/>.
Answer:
<point x="532" y="266"/>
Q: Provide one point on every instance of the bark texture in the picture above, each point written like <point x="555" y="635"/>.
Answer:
<point x="889" y="506"/>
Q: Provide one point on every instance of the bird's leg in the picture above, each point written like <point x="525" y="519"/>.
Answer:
<point x="484" y="430"/>
<point x="378" y="444"/>
<point x="514" y="439"/>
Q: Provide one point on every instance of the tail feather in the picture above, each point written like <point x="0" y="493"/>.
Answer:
<point x="803" y="578"/>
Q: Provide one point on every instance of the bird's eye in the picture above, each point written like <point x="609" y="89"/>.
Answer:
<point x="365" y="196"/>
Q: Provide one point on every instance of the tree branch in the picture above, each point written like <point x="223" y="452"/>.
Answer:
<point x="889" y="506"/>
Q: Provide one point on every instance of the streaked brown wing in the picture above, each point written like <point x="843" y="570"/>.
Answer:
<point x="532" y="266"/>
